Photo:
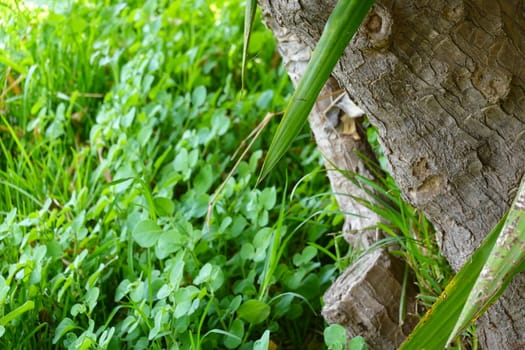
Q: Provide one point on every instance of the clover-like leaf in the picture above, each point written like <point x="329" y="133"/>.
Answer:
<point x="254" y="311"/>
<point x="146" y="233"/>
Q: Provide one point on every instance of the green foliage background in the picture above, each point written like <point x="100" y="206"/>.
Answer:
<point x="118" y="120"/>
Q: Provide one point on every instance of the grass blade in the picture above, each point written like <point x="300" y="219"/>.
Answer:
<point x="340" y="28"/>
<point x="27" y="306"/>
<point x="249" y="15"/>
<point x="434" y="329"/>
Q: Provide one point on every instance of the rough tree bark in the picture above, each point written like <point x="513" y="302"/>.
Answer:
<point x="444" y="82"/>
<point x="355" y="300"/>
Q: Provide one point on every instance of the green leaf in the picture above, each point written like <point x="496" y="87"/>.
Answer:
<point x="237" y="227"/>
<point x="78" y="309"/>
<point x="268" y="197"/>
<point x="4" y="289"/>
<point x="335" y="337"/>
<point x="220" y="123"/>
<point x="502" y="264"/>
<point x="340" y="28"/>
<point x="27" y="306"/>
<point x="308" y="254"/>
<point x="234" y="304"/>
<point x="128" y="118"/>
<point x="122" y="289"/>
<point x="92" y="297"/>
<point x="357" y="343"/>
<point x="261" y="242"/>
<point x="212" y="274"/>
<point x="234" y="339"/>
<point x="177" y="271"/>
<point x="163" y="206"/>
<point x="181" y="161"/>
<point x="249" y="16"/>
<point x="433" y="330"/>
<point x="204" y="274"/>
<point x="265" y="99"/>
<point x="164" y="291"/>
<point x="195" y="204"/>
<point x="247" y="251"/>
<point x="63" y="327"/>
<point x="7" y="61"/>
<point x="146" y="233"/>
<point x="169" y="242"/>
<point x="263" y="343"/>
<point x="54" y="250"/>
<point x="204" y="179"/>
<point x="183" y="299"/>
<point x="198" y="96"/>
<point x="254" y="311"/>
<point x="78" y="24"/>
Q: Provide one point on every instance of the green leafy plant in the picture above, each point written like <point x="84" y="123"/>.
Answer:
<point x="336" y="339"/>
<point x="476" y="286"/>
<point x="117" y="123"/>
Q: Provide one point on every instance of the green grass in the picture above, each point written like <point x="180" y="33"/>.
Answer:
<point x="411" y="231"/>
<point x="118" y="121"/>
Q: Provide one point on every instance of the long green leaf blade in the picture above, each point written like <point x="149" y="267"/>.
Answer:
<point x="340" y="28"/>
<point x="503" y="262"/>
<point x="27" y="306"/>
<point x="249" y="16"/>
<point x="434" y="329"/>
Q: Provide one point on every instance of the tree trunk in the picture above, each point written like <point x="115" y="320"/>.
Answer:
<point x="355" y="300"/>
<point x="444" y="82"/>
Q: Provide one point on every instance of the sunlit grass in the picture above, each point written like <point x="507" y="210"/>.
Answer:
<point x="118" y="121"/>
